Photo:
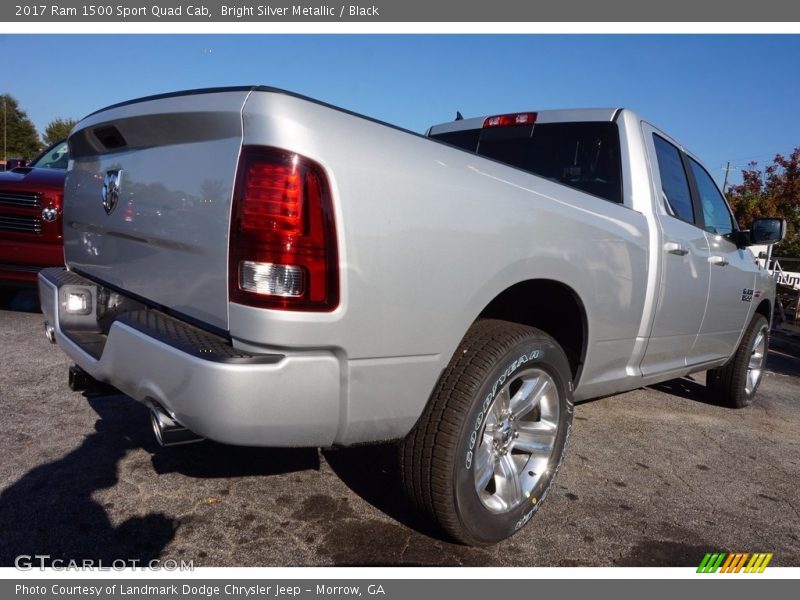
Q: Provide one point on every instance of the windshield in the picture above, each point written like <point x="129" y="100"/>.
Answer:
<point x="55" y="157"/>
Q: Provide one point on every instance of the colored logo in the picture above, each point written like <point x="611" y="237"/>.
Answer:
<point x="735" y="562"/>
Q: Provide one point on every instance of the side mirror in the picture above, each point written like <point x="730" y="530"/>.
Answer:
<point x="767" y="231"/>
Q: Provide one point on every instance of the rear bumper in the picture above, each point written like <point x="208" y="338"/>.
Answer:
<point x="288" y="399"/>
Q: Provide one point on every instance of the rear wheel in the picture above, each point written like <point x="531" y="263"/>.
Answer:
<point x="486" y="450"/>
<point x="736" y="383"/>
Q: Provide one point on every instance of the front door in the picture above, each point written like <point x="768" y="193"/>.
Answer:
<point x="733" y="274"/>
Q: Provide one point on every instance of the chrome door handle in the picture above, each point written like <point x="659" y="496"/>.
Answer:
<point x="719" y="261"/>
<point x="676" y="248"/>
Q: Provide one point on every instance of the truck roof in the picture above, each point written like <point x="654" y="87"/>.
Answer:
<point x="543" y="116"/>
<point x="571" y="115"/>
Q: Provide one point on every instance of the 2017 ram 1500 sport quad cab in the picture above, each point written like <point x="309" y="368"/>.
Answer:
<point x="297" y="275"/>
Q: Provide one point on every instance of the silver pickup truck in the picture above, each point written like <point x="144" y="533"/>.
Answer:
<point x="263" y="269"/>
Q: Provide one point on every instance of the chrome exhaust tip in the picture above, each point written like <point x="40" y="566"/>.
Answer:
<point x="50" y="332"/>
<point x="168" y="431"/>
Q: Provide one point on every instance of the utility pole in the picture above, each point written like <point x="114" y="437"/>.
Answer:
<point x="725" y="183"/>
<point x="5" y="128"/>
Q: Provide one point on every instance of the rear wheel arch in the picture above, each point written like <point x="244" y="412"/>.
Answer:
<point x="550" y="306"/>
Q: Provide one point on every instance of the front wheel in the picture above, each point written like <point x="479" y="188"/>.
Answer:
<point x="485" y="452"/>
<point x="735" y="383"/>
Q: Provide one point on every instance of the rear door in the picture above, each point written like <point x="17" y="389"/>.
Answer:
<point x="684" y="281"/>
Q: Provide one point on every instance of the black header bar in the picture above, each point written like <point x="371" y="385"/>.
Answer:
<point x="394" y="11"/>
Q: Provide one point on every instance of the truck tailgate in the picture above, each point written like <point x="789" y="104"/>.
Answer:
<point x="148" y="195"/>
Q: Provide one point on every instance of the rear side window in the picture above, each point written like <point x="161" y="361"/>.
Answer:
<point x="674" y="182"/>
<point x="584" y="156"/>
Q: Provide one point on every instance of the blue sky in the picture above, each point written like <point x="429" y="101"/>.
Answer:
<point x="725" y="97"/>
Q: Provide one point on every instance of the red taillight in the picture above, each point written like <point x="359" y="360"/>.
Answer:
<point x="508" y="120"/>
<point x="273" y="198"/>
<point x="283" y="237"/>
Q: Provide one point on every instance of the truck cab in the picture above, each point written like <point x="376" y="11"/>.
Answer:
<point x="703" y="284"/>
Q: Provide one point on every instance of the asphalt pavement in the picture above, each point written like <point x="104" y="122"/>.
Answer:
<point x="653" y="477"/>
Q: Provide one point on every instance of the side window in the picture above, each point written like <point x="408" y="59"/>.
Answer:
<point x="674" y="183"/>
<point x="717" y="216"/>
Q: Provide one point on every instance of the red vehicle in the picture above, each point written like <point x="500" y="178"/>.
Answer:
<point x="30" y="217"/>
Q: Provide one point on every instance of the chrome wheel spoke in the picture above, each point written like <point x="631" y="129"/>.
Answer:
<point x="485" y="462"/>
<point x="529" y="395"/>
<point x="759" y="340"/>
<point x="536" y="438"/>
<point x="533" y="470"/>
<point x="753" y="376"/>
<point x="501" y="403"/>
<point x="756" y="362"/>
<point x="490" y="422"/>
<point x="507" y="481"/>
<point x="489" y="428"/>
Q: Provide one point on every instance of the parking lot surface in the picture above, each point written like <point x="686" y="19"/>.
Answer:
<point x="653" y="477"/>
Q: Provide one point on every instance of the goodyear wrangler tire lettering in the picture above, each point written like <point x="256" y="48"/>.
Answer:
<point x="487" y="448"/>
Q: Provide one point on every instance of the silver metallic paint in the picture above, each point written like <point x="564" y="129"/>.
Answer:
<point x="428" y="236"/>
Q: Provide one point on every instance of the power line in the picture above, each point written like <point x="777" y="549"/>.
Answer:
<point x="771" y="155"/>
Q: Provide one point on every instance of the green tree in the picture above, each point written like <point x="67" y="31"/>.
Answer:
<point x="19" y="137"/>
<point x="771" y="192"/>
<point x="57" y="130"/>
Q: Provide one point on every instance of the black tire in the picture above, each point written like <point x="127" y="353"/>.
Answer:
<point x="439" y="458"/>
<point x="731" y="385"/>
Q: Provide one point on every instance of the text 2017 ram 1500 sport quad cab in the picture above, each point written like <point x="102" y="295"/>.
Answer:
<point x="298" y="275"/>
